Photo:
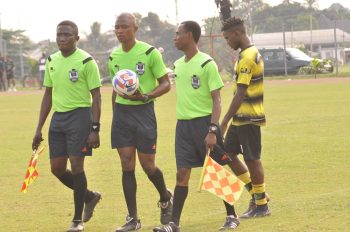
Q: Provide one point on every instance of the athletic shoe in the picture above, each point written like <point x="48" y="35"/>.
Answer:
<point x="76" y="226"/>
<point x="130" y="225"/>
<point x="257" y="212"/>
<point x="170" y="227"/>
<point x="90" y="207"/>
<point x="166" y="209"/>
<point x="231" y="223"/>
<point x="252" y="205"/>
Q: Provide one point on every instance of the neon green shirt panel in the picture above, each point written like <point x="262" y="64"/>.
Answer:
<point x="193" y="102"/>
<point x="152" y="63"/>
<point x="68" y="94"/>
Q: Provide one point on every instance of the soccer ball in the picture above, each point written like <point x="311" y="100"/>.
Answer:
<point x="125" y="82"/>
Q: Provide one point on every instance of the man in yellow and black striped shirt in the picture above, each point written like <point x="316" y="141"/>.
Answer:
<point x="247" y="114"/>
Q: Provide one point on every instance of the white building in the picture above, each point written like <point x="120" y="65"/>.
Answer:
<point x="323" y="42"/>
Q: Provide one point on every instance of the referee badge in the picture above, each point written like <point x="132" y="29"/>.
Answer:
<point x="73" y="75"/>
<point x="140" y="68"/>
<point x="195" y="82"/>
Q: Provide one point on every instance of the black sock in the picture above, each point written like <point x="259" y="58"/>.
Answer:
<point x="129" y="188"/>
<point x="180" y="195"/>
<point x="230" y="210"/>
<point x="79" y="185"/>
<point x="249" y="187"/>
<point x="67" y="180"/>
<point x="158" y="181"/>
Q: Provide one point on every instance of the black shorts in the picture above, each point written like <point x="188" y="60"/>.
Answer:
<point x="135" y="126"/>
<point x="245" y="140"/>
<point x="69" y="132"/>
<point x="190" y="149"/>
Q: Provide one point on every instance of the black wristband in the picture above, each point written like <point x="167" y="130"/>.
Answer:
<point x="95" y="127"/>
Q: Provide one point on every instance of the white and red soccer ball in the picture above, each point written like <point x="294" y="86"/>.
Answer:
<point x="125" y="82"/>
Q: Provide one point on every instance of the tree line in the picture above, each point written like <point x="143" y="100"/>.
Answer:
<point x="259" y="16"/>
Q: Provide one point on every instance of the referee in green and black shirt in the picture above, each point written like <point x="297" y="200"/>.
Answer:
<point x="72" y="84"/>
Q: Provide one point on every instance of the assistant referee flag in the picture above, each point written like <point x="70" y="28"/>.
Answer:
<point x="220" y="182"/>
<point x="32" y="172"/>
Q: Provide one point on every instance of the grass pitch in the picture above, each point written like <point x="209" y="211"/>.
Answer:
<point x="305" y="154"/>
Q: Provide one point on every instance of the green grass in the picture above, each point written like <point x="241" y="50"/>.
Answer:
<point x="305" y="153"/>
<point x="343" y="71"/>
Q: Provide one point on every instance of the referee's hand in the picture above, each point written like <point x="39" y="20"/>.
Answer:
<point x="93" y="139"/>
<point x="38" y="137"/>
<point x="210" y="141"/>
<point x="137" y="96"/>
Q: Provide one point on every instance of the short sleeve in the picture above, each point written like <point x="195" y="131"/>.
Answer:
<point x="158" y="66"/>
<point x="245" y="72"/>
<point x="111" y="68"/>
<point x="214" y="78"/>
<point x="47" y="76"/>
<point x="92" y="74"/>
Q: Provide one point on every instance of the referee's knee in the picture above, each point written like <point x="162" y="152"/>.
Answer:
<point x="183" y="176"/>
<point x="149" y="169"/>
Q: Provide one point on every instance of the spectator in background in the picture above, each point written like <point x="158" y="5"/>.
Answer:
<point x="10" y="74"/>
<point x="41" y="63"/>
<point x="2" y="70"/>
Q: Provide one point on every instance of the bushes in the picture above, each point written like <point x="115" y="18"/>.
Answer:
<point x="317" y="66"/>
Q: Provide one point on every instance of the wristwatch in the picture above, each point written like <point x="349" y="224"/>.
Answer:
<point x="213" y="128"/>
<point x="95" y="127"/>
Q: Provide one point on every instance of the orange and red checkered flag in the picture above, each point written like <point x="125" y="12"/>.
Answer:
<point x="220" y="182"/>
<point x="32" y="172"/>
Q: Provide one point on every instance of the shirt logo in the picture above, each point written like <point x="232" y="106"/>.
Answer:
<point x="195" y="82"/>
<point x="73" y="75"/>
<point x="245" y="70"/>
<point x="140" y="68"/>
